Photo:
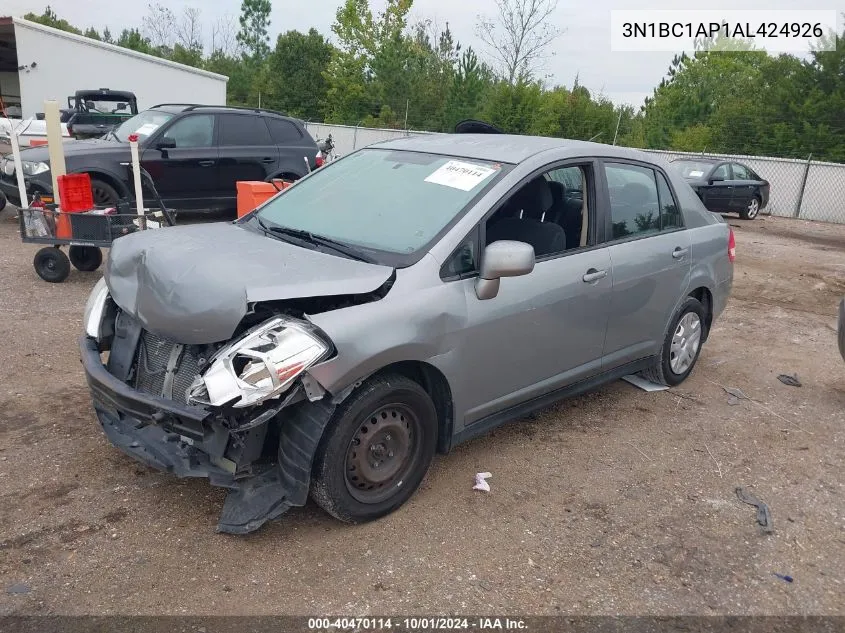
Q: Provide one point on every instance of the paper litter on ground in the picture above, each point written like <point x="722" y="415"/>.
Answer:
<point x="642" y="383"/>
<point x="481" y="482"/>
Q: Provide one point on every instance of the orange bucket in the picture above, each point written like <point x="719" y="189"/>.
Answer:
<point x="254" y="193"/>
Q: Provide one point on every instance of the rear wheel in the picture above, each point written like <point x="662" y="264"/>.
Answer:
<point x="51" y="264"/>
<point x="752" y="210"/>
<point x="681" y="346"/>
<point x="376" y="450"/>
<point x="85" y="258"/>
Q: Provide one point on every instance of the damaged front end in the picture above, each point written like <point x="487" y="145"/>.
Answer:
<point x="244" y="413"/>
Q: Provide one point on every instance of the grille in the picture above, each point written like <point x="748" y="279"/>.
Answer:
<point x="153" y="355"/>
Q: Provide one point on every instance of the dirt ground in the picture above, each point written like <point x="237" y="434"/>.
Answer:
<point x="618" y="502"/>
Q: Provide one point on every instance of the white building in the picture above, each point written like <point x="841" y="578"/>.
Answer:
<point x="38" y="63"/>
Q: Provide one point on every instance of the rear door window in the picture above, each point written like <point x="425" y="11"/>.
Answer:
<point x="634" y="202"/>
<point x="243" y="129"/>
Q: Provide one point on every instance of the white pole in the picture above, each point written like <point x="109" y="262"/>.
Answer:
<point x="16" y="155"/>
<point x="136" y="174"/>
<point x="54" y="146"/>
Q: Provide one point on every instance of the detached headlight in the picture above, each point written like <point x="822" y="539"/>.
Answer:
<point x="7" y="166"/>
<point x="95" y="308"/>
<point x="261" y="365"/>
<point x="31" y="168"/>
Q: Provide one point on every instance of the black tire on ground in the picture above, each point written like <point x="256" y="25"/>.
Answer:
<point x="751" y="211"/>
<point x="51" y="264"/>
<point x="104" y="194"/>
<point x="662" y="372"/>
<point x="375" y="450"/>
<point x="85" y="258"/>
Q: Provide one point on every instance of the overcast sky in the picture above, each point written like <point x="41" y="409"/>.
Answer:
<point x="583" y="49"/>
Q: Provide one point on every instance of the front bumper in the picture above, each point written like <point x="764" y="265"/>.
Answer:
<point x="191" y="441"/>
<point x="9" y="186"/>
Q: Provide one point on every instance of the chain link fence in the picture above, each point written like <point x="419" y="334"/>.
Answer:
<point x="804" y="189"/>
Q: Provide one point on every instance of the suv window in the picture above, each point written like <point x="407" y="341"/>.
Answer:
<point x="243" y="129"/>
<point x="634" y="203"/>
<point x="740" y="172"/>
<point x="195" y="130"/>
<point x="283" y="131"/>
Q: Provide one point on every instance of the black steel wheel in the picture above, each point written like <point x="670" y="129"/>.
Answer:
<point x="51" y="264"/>
<point x="85" y="258"/>
<point x="104" y="194"/>
<point x="376" y="450"/>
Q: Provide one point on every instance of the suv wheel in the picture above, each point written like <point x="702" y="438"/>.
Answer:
<point x="104" y="194"/>
<point x="681" y="347"/>
<point x="376" y="450"/>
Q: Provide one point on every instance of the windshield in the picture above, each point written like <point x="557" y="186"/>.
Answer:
<point x="143" y="124"/>
<point x="692" y="168"/>
<point x="382" y="200"/>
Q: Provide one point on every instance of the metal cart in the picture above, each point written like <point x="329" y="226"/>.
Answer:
<point x="86" y="233"/>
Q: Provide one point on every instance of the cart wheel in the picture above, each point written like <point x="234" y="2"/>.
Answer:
<point x="85" y="258"/>
<point x="51" y="264"/>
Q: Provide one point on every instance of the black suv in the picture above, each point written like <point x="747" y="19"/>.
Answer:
<point x="194" y="153"/>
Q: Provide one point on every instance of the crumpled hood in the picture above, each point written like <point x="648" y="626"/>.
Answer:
<point x="193" y="284"/>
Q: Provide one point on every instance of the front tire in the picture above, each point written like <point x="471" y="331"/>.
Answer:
<point x="752" y="210"/>
<point x="376" y="450"/>
<point x="104" y="194"/>
<point x="681" y="346"/>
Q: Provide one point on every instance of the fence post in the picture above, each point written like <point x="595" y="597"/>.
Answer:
<point x="355" y="137"/>
<point x="797" y="212"/>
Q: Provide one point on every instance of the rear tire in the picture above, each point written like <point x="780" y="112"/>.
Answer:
<point x="51" y="264"/>
<point x="85" y="258"/>
<point x="376" y="450"/>
<point x="681" y="345"/>
<point x="752" y="210"/>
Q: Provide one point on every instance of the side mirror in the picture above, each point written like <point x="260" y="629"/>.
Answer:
<point x="715" y="179"/>
<point x="502" y="259"/>
<point x="166" y="143"/>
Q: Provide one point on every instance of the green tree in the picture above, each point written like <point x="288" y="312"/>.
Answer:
<point x="92" y="33"/>
<point x="296" y="81"/>
<point x="133" y="39"/>
<point x="255" y="22"/>
<point x="471" y="82"/>
<point x="49" y="18"/>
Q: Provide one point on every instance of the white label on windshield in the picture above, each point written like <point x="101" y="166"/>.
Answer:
<point x="696" y="174"/>
<point x="146" y="129"/>
<point x="460" y="175"/>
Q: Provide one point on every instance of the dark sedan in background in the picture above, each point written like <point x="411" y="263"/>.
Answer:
<point x="725" y="186"/>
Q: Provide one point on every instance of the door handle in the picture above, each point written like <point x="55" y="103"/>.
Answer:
<point x="593" y="275"/>
<point x="206" y="163"/>
<point x="680" y="253"/>
<point x="268" y="160"/>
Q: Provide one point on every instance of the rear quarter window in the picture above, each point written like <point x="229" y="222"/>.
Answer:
<point x="283" y="131"/>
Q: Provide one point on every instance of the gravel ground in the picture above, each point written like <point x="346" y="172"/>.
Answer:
<point x="618" y="502"/>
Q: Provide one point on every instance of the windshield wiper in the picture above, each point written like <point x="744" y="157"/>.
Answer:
<point x="319" y="240"/>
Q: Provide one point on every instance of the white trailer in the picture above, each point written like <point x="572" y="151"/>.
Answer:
<point x="39" y="62"/>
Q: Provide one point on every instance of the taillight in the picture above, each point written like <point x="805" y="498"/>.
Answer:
<point x="319" y="160"/>
<point x="731" y="246"/>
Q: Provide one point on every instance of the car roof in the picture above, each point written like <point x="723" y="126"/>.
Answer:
<point x="506" y="148"/>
